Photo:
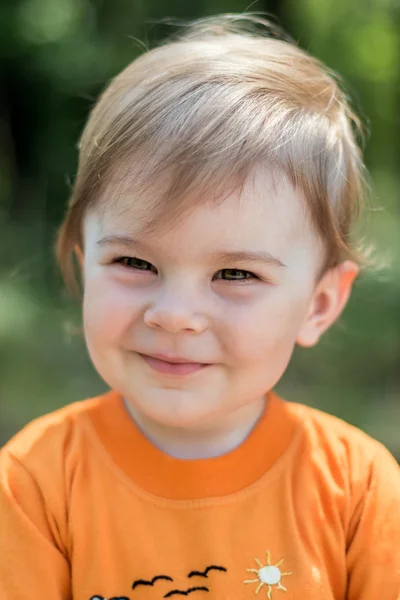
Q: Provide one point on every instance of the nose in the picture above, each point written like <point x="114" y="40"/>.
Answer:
<point x="176" y="311"/>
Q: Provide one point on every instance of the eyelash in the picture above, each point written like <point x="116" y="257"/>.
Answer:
<point x="121" y="260"/>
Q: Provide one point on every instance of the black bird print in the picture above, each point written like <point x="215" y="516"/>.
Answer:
<point x="113" y="598"/>
<point x="205" y="573"/>
<point x="152" y="582"/>
<point x="187" y="592"/>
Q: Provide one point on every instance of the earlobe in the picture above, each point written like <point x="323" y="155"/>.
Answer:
<point x="328" y="302"/>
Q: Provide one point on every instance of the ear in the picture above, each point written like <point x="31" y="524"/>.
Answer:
<point x="328" y="301"/>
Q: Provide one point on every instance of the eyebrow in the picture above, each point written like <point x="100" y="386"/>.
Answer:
<point x="222" y="255"/>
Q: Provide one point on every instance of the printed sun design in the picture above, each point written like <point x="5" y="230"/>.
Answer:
<point x="268" y="575"/>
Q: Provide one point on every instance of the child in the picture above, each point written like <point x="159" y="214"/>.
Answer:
<point x="211" y="215"/>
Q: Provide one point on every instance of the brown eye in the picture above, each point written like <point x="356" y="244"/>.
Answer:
<point x="236" y="275"/>
<point x="135" y="263"/>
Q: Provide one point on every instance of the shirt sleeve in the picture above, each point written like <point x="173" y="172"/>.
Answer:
<point x="373" y="556"/>
<point x="33" y="564"/>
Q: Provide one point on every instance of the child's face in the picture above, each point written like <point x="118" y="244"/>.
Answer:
<point x="179" y="299"/>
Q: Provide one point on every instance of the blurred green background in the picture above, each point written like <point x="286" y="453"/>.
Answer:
<point x="55" y="58"/>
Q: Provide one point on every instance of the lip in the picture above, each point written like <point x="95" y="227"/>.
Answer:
<point x="172" y="365"/>
<point x="172" y="358"/>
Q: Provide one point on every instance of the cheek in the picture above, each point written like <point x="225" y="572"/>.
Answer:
<point x="107" y="309"/>
<point x="265" y="330"/>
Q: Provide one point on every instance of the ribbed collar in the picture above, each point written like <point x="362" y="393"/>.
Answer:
<point x="163" y="475"/>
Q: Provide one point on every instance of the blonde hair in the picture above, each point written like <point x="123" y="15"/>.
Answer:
<point x="207" y="107"/>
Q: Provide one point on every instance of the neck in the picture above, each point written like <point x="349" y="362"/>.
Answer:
<point x="209" y="440"/>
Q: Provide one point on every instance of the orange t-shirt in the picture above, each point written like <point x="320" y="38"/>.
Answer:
<point x="307" y="507"/>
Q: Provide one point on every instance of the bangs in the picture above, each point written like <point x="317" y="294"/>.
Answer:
<point x="203" y="143"/>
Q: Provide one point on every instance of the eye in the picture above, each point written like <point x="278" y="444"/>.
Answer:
<point x="237" y="275"/>
<point x="135" y="263"/>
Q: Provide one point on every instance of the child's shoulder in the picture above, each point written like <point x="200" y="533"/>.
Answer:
<point x="53" y="431"/>
<point x="338" y="441"/>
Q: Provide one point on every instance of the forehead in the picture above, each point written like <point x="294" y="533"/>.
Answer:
<point x="265" y="211"/>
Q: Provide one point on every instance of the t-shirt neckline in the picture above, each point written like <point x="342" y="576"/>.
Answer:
<point x="184" y="479"/>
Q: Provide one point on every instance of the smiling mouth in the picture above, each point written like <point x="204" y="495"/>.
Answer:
<point x="169" y="368"/>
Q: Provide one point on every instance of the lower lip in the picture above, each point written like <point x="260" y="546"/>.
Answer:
<point x="172" y="368"/>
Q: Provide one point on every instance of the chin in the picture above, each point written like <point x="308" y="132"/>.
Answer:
<point x="174" y="409"/>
